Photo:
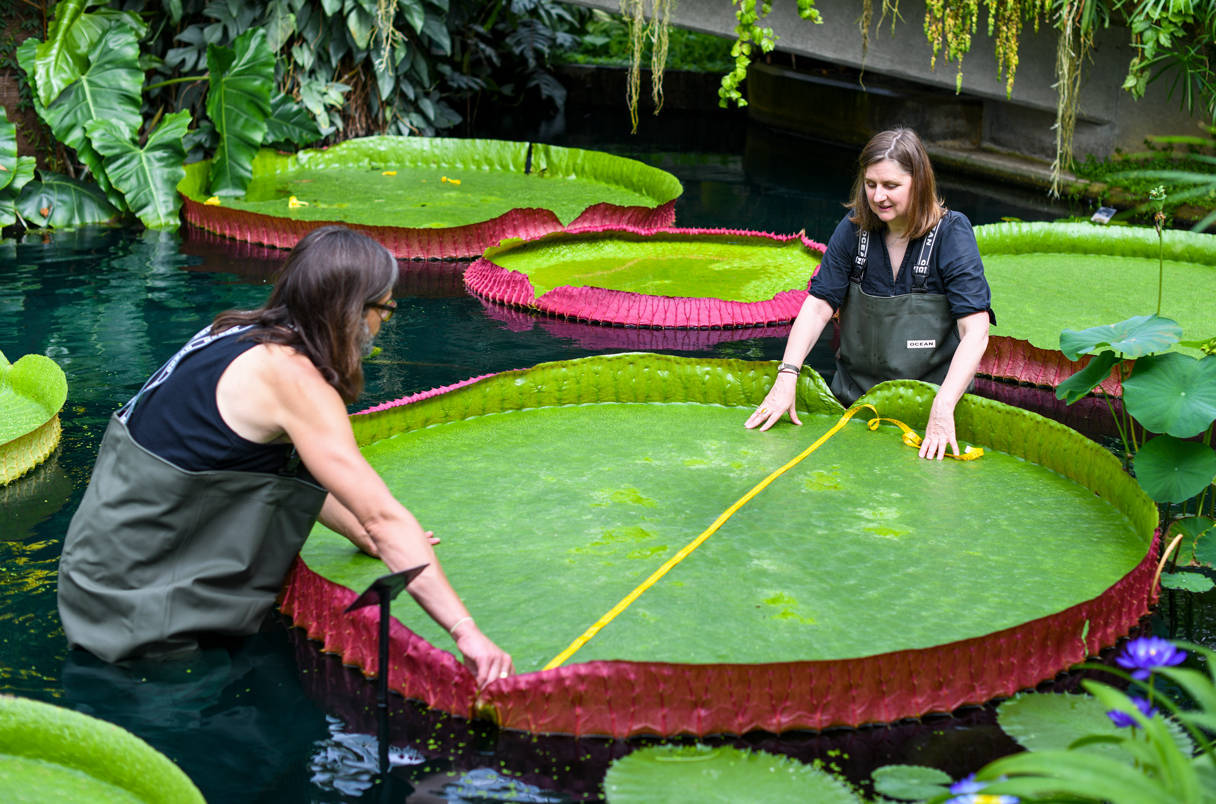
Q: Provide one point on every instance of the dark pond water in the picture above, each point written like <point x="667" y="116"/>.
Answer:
<point x="277" y="721"/>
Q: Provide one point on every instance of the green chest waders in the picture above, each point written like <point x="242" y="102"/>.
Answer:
<point x="157" y="557"/>
<point x="912" y="336"/>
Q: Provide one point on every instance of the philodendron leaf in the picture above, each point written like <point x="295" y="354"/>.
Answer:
<point x="910" y="782"/>
<point x="669" y="773"/>
<point x="238" y="103"/>
<point x="1088" y="378"/>
<point x="1172" y="393"/>
<point x="1187" y="581"/>
<point x="1139" y="335"/>
<point x="147" y="176"/>
<point x="60" y="201"/>
<point x="108" y="89"/>
<point x="1173" y="470"/>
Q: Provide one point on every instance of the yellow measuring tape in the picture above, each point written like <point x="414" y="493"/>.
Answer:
<point x="909" y="437"/>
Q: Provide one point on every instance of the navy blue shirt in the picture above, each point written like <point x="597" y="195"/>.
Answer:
<point x="955" y="268"/>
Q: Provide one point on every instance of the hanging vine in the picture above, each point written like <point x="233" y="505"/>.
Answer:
<point x="1072" y="46"/>
<point x="640" y="31"/>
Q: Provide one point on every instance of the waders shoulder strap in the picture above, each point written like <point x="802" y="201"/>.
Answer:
<point x="920" y="271"/>
<point x="200" y="339"/>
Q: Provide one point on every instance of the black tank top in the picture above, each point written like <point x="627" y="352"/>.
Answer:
<point x="180" y="421"/>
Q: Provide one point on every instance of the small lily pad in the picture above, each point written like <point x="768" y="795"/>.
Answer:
<point x="1173" y="470"/>
<point x="1172" y="393"/>
<point x="1137" y="336"/>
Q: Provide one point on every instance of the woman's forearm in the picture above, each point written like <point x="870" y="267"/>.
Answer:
<point x="973" y="342"/>
<point x="813" y="316"/>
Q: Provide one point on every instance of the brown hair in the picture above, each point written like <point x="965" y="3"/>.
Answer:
<point x="904" y="148"/>
<point x="318" y="301"/>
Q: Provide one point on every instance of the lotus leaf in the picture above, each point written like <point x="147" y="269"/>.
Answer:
<point x="1088" y="378"/>
<point x="1172" y="393"/>
<point x="579" y="533"/>
<point x="32" y="391"/>
<point x="669" y="773"/>
<point x="425" y="182"/>
<point x="1137" y="336"/>
<point x="1173" y="470"/>
<point x="1034" y="269"/>
<point x="48" y="753"/>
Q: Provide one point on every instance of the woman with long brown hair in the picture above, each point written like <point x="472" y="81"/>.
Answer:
<point x="905" y="275"/>
<point x="196" y="507"/>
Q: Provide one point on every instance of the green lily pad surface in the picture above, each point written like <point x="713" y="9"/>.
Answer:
<point x="550" y="514"/>
<point x="417" y="182"/>
<point x="733" y="268"/>
<point x="48" y="753"/>
<point x="1049" y="277"/>
<point x="32" y="391"/>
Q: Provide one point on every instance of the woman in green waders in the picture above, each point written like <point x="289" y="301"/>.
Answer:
<point x="906" y="277"/>
<point x="197" y="505"/>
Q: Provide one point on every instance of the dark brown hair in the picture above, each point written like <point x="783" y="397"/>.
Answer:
<point x="318" y="301"/>
<point x="904" y="148"/>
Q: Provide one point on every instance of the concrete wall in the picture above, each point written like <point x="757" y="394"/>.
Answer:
<point x="1108" y="117"/>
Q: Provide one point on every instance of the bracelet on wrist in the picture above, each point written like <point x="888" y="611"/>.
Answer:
<point x="457" y="624"/>
<point x="788" y="368"/>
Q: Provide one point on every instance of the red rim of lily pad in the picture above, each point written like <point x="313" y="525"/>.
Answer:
<point x="450" y="242"/>
<point x="490" y="281"/>
<point x="630" y="698"/>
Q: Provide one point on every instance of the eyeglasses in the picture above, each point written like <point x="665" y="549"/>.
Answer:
<point x="386" y="310"/>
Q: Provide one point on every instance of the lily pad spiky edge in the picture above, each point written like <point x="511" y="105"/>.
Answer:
<point x="491" y="281"/>
<point x="449" y="242"/>
<point x="41" y="379"/>
<point x="1016" y="359"/>
<point x="86" y="745"/>
<point x="622" y="699"/>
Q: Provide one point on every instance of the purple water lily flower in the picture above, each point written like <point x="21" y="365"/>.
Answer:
<point x="1146" y="654"/>
<point x="968" y="791"/>
<point x="1123" y="719"/>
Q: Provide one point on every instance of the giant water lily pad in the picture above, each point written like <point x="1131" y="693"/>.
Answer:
<point x="433" y="197"/>
<point x="679" y="278"/>
<point x="48" y="753"/>
<point x="559" y="489"/>
<point x="1049" y="277"/>
<point x="32" y="391"/>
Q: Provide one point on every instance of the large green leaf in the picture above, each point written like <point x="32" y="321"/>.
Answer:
<point x="60" y="755"/>
<point x="1173" y="470"/>
<point x="1188" y="581"/>
<point x="60" y="201"/>
<point x="238" y="103"/>
<point x="1083" y="238"/>
<point x="1054" y="721"/>
<point x="22" y="174"/>
<point x="1137" y="336"/>
<point x="15" y="171"/>
<point x="32" y="391"/>
<point x="1172" y="393"/>
<point x="147" y="176"/>
<point x="400" y="181"/>
<point x="910" y="782"/>
<point x="1088" y="378"/>
<point x="290" y="122"/>
<point x="669" y="773"/>
<point x="1198" y="544"/>
<point x="672" y="455"/>
<point x="108" y="89"/>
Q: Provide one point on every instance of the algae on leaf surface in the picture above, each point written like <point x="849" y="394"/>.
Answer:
<point x="561" y="507"/>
